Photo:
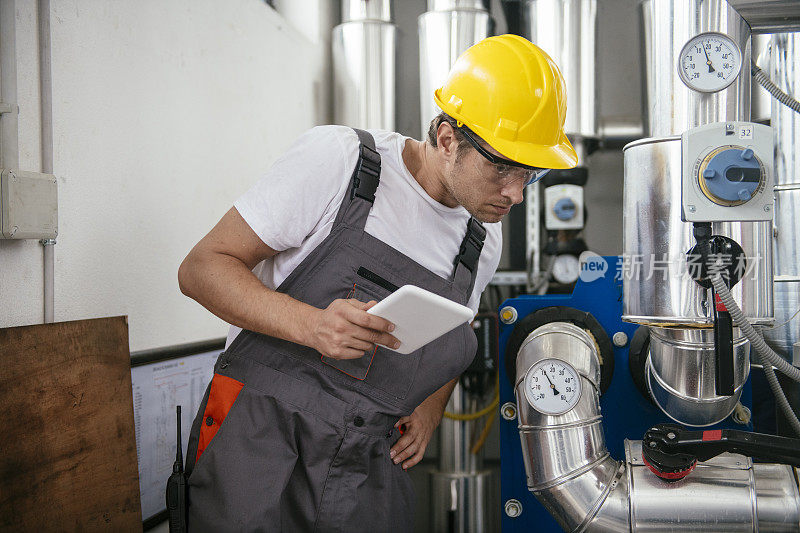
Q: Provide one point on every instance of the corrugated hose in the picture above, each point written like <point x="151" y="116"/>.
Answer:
<point x="766" y="355"/>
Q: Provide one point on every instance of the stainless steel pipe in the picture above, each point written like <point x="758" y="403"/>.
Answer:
<point x="572" y="474"/>
<point x="558" y="448"/>
<point x="462" y="491"/>
<point x="364" y="50"/>
<point x="445" y="32"/>
<point x="670" y="107"/>
<point x="681" y="370"/>
<point x="567" y="31"/>
<point x="784" y="71"/>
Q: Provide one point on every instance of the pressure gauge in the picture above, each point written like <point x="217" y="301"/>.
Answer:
<point x="566" y="268"/>
<point x="552" y="386"/>
<point x="709" y="62"/>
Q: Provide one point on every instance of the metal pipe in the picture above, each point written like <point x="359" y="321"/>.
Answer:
<point x="761" y="100"/>
<point x="461" y="493"/>
<point x="784" y="71"/>
<point x="572" y="474"/>
<point x="364" y="52"/>
<point x="658" y="289"/>
<point x="681" y="374"/>
<point x="48" y="247"/>
<point x="446" y="30"/>
<point x="366" y="10"/>
<point x="670" y="106"/>
<point x="9" y="131"/>
<point x="455" y="436"/>
<point x="46" y="110"/>
<point x="566" y="30"/>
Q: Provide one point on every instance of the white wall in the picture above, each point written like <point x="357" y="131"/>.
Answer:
<point x="164" y="112"/>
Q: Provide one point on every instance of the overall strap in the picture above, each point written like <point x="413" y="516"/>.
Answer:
<point x="363" y="183"/>
<point x="465" y="267"/>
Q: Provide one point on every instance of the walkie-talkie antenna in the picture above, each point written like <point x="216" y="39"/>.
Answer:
<point x="178" y="466"/>
<point x="176" y="489"/>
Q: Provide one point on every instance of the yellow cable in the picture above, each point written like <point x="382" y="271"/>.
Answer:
<point x="485" y="433"/>
<point x="474" y="416"/>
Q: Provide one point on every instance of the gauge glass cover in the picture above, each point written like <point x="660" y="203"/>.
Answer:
<point x="566" y="268"/>
<point x="552" y="386"/>
<point x="709" y="62"/>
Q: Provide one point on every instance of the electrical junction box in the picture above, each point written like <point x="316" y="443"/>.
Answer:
<point x="28" y="205"/>
<point x="563" y="207"/>
<point x="728" y="172"/>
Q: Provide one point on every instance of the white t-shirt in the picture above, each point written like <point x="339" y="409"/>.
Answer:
<point x="293" y="206"/>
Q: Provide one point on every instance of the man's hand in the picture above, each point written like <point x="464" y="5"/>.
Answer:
<point x="419" y="427"/>
<point x="345" y="330"/>
<point x="417" y="433"/>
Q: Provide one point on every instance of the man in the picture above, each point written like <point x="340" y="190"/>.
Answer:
<point x="310" y="398"/>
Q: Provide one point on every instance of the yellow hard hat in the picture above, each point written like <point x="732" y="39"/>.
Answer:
<point x="511" y="94"/>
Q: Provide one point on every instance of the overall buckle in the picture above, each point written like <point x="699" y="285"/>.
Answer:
<point x="367" y="174"/>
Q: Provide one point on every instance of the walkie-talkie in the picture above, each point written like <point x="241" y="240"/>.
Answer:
<point x="176" y="490"/>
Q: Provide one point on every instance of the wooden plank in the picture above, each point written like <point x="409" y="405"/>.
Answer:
<point x="67" y="444"/>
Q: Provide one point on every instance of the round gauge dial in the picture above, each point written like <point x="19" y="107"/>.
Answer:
<point x="709" y="62"/>
<point x="552" y="387"/>
<point x="566" y="268"/>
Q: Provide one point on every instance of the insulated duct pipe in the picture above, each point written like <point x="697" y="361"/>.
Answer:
<point x="784" y="71"/>
<point x="446" y="30"/>
<point x="364" y="50"/>
<point x="571" y="472"/>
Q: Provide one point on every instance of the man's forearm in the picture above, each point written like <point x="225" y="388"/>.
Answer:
<point x="226" y="287"/>
<point x="437" y="401"/>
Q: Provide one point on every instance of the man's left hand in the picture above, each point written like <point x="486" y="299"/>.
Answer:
<point x="419" y="427"/>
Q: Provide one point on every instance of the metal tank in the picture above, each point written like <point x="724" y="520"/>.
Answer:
<point x="364" y="49"/>
<point x="784" y="71"/>
<point x="446" y="30"/>
<point x="658" y="289"/>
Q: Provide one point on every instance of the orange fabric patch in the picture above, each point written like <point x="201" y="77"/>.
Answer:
<point x="224" y="391"/>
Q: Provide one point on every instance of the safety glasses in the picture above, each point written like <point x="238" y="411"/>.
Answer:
<point x="536" y="173"/>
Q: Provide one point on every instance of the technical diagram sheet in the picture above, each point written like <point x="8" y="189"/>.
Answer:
<point x="157" y="389"/>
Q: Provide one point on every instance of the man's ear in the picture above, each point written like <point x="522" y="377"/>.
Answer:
<point x="446" y="140"/>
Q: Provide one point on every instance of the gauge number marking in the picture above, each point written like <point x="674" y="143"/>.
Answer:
<point x="552" y="387"/>
<point x="709" y="62"/>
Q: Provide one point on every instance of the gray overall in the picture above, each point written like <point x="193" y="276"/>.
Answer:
<point x="305" y="441"/>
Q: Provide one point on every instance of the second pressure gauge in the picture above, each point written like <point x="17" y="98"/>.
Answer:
<point x="552" y="387"/>
<point x="709" y="62"/>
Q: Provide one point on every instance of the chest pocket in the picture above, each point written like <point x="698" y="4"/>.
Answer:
<point x="391" y="372"/>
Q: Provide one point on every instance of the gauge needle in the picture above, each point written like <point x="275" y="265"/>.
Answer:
<point x="555" y="391"/>
<point x="708" y="61"/>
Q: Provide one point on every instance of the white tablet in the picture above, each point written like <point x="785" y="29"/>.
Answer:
<point x="419" y="316"/>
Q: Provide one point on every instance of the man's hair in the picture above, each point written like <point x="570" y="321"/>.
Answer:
<point x="463" y="143"/>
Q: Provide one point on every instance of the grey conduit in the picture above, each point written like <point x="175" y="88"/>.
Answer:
<point x="766" y="356"/>
<point x="774" y="90"/>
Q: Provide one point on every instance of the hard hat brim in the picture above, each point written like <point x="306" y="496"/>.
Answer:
<point x="559" y="155"/>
